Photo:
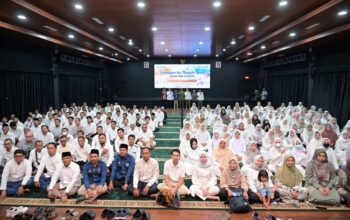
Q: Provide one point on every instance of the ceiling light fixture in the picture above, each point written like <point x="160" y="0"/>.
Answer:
<point x="100" y="48"/>
<point x="312" y="26"/>
<point x="197" y="50"/>
<point x="217" y="55"/>
<point x="162" y="43"/>
<point x="195" y="55"/>
<point x="50" y="28"/>
<point x="154" y="28"/>
<point x="263" y="47"/>
<point x="130" y="42"/>
<point x="207" y="28"/>
<point x="140" y="50"/>
<point x="251" y="28"/>
<point x="249" y="54"/>
<point x="71" y="36"/>
<point x="147" y="55"/>
<point x="166" y="50"/>
<point x="110" y="29"/>
<point x="200" y="42"/>
<point x="21" y="17"/>
<point x="78" y="6"/>
<point x="116" y="54"/>
<point x="224" y="50"/>
<point x="283" y="3"/>
<point x="141" y="4"/>
<point x="216" y="3"/>
<point x="292" y="34"/>
<point x="342" y="13"/>
<point x="263" y="19"/>
<point x="97" y="20"/>
<point x="128" y="59"/>
<point x="233" y="42"/>
<point x="237" y="58"/>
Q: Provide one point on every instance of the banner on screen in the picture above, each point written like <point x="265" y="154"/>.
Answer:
<point x="182" y="76"/>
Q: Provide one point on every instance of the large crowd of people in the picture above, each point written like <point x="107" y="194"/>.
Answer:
<point x="290" y="153"/>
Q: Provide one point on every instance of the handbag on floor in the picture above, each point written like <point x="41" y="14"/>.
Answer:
<point x="237" y="203"/>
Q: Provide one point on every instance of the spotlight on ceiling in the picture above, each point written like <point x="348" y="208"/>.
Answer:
<point x="78" y="6"/>
<point x="21" y="17"/>
<point x="111" y="29"/>
<point x="141" y="4"/>
<point x="216" y="3"/>
<point x="207" y="28"/>
<point x="283" y="3"/>
<point x="342" y="13"/>
<point x="154" y="28"/>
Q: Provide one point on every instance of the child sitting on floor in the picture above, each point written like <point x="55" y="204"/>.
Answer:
<point x="265" y="188"/>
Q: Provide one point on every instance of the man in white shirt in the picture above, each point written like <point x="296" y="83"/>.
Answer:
<point x="36" y="155"/>
<point x="56" y="130"/>
<point x="174" y="175"/>
<point x="16" y="176"/>
<point x="106" y="150"/>
<point x="6" y="153"/>
<point x="89" y="128"/>
<point x="16" y="130"/>
<point x="134" y="130"/>
<point x="81" y="152"/>
<point x="134" y="149"/>
<point x="154" y="122"/>
<point x="72" y="128"/>
<point x="68" y="175"/>
<point x="5" y="134"/>
<point x="46" y="136"/>
<point x="112" y="132"/>
<point x="47" y="167"/>
<point x="95" y="144"/>
<point x="200" y="98"/>
<point x="146" y="138"/>
<point x="146" y="175"/>
<point x="64" y="146"/>
<point x="121" y="139"/>
<point x="36" y="127"/>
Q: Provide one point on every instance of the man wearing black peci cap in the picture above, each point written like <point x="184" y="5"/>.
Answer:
<point x="68" y="175"/>
<point x="16" y="175"/>
<point x="94" y="174"/>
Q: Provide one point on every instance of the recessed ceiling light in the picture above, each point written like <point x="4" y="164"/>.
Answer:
<point x="197" y="50"/>
<point x="110" y="29"/>
<point x="200" y="42"/>
<point x="217" y="3"/>
<point x="166" y="50"/>
<point x="233" y="42"/>
<point x="140" y="50"/>
<point x="100" y="48"/>
<point x="283" y="3"/>
<point x="128" y="59"/>
<point x="130" y="42"/>
<point x="195" y="55"/>
<point x="292" y="34"/>
<point x="342" y="13"/>
<point x="116" y="54"/>
<point x="237" y="58"/>
<point x="71" y="36"/>
<point x="224" y="49"/>
<point x="251" y="28"/>
<point x="78" y="6"/>
<point x="169" y="55"/>
<point x="141" y="4"/>
<point x="22" y="17"/>
<point x="217" y="55"/>
<point x="207" y="28"/>
<point x="263" y="47"/>
<point x="249" y="54"/>
<point x="147" y="55"/>
<point x="162" y="43"/>
<point x="154" y="28"/>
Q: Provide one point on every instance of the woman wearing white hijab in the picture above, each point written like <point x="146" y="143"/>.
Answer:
<point x="277" y="153"/>
<point x="268" y="140"/>
<point x="307" y="134"/>
<point x="285" y="126"/>
<point x="185" y="145"/>
<point x="237" y="145"/>
<point x="214" y="142"/>
<point x="315" y="143"/>
<point x="292" y="138"/>
<point x="204" y="179"/>
<point x="203" y="137"/>
<point x="341" y="147"/>
<point x="185" y="129"/>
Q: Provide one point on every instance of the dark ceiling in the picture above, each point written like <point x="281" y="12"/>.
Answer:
<point x="180" y="26"/>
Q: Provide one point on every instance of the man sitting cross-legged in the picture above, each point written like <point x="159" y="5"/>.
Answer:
<point x="94" y="174"/>
<point x="16" y="175"/>
<point x="122" y="169"/>
<point x="146" y="175"/>
<point x="68" y="175"/>
<point x="174" y="175"/>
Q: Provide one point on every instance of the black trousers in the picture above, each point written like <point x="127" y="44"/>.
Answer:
<point x="253" y="197"/>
